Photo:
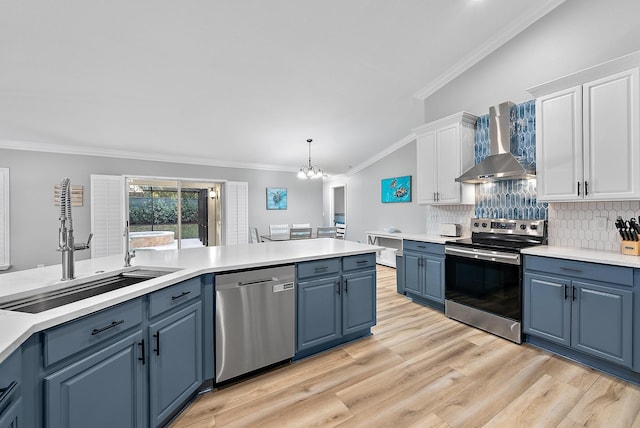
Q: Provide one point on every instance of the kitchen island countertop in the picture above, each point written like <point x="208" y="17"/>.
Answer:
<point x="17" y="327"/>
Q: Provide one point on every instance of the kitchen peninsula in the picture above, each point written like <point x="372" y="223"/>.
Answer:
<point x="54" y="358"/>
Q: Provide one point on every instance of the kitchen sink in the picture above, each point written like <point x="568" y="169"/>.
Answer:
<point x="53" y="299"/>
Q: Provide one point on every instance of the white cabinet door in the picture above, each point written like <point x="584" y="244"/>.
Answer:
<point x="448" y="162"/>
<point x="611" y="141"/>
<point x="427" y="168"/>
<point x="588" y="140"/>
<point x="559" y="145"/>
<point x="444" y="152"/>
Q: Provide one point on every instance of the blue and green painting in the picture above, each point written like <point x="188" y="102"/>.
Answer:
<point x="276" y="198"/>
<point x="396" y="189"/>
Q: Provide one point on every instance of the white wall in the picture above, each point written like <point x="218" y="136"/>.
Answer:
<point x="576" y="35"/>
<point x="34" y="218"/>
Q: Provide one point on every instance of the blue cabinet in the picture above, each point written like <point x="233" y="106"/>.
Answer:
<point x="318" y="314"/>
<point x="132" y="365"/>
<point x="175" y="360"/>
<point x="103" y="389"/>
<point x="10" y="391"/>
<point x="424" y="271"/>
<point x="335" y="302"/>
<point x="584" y="306"/>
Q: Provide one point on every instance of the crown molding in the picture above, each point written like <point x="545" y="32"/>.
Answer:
<point x="121" y="154"/>
<point x="514" y="28"/>
<point x="392" y="148"/>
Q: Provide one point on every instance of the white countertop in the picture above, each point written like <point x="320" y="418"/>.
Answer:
<point x="16" y="327"/>
<point x="584" y="255"/>
<point x="422" y="237"/>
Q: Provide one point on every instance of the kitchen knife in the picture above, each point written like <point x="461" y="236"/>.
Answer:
<point x="620" y="225"/>
<point x="634" y="228"/>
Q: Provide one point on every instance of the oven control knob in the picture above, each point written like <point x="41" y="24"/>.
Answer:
<point x="484" y="224"/>
<point x="476" y="224"/>
<point x="534" y="227"/>
<point x="524" y="226"/>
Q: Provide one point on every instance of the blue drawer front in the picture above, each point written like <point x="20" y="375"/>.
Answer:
<point x="74" y="336"/>
<point x="425" y="247"/>
<point x="592" y="271"/>
<point x="318" y="268"/>
<point x="173" y="296"/>
<point x="361" y="261"/>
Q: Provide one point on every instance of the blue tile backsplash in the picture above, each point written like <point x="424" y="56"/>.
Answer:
<point x="515" y="199"/>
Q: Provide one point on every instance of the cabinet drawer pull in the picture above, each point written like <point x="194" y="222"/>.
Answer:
<point x="5" y="393"/>
<point x="184" y="293"/>
<point x="321" y="269"/>
<point x="571" y="269"/>
<point x="157" y="337"/>
<point x="100" y="330"/>
<point x="142" y="358"/>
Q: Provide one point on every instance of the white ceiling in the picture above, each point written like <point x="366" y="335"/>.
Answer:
<point x="237" y="82"/>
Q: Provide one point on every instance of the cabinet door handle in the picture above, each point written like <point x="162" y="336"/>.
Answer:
<point x="437" y="196"/>
<point x="573" y="292"/>
<point x="142" y="357"/>
<point x="5" y="393"/>
<point x="157" y="337"/>
<point x="586" y="188"/>
<point x="338" y="287"/>
<point x="566" y="291"/>
<point x="112" y="325"/>
<point x="578" y="188"/>
<point x="346" y="286"/>
<point x="184" y="293"/>
<point x="571" y="269"/>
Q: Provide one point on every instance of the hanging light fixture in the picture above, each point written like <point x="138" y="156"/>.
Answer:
<point x="310" y="171"/>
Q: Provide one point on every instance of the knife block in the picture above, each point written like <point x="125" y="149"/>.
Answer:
<point x="631" y="248"/>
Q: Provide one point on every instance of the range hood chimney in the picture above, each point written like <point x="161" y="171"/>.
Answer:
<point x="501" y="164"/>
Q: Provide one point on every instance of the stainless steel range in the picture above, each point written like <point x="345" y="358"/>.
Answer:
<point x="483" y="274"/>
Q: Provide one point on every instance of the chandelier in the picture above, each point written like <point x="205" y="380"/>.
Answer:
<point x="310" y="171"/>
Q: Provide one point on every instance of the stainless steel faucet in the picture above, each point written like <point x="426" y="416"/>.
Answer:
<point x="66" y="244"/>
<point x="128" y="254"/>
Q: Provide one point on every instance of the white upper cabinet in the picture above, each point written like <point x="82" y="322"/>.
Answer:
<point x="445" y="149"/>
<point x="588" y="140"/>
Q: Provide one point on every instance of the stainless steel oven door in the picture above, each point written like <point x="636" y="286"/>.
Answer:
<point x="484" y="288"/>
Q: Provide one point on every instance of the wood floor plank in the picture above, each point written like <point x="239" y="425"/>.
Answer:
<point x="545" y="404"/>
<point x="609" y="402"/>
<point x="421" y="369"/>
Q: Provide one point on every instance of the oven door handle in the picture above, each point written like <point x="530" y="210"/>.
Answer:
<point x="510" y="258"/>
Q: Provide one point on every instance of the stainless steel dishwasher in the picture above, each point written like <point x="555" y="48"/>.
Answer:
<point x="255" y="320"/>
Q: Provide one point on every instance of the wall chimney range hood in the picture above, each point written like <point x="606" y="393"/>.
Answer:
<point x="501" y="164"/>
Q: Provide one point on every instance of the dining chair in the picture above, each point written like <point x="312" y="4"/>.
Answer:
<point x="278" y="229"/>
<point x="299" y="225"/>
<point x="300" y="233"/>
<point x="254" y="236"/>
<point x="327" y="232"/>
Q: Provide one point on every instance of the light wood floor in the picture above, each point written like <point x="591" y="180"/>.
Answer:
<point x="421" y="369"/>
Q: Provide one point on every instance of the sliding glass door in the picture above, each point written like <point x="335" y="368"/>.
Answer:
<point x="173" y="213"/>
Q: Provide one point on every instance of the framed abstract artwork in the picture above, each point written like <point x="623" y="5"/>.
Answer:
<point x="396" y="189"/>
<point x="276" y="198"/>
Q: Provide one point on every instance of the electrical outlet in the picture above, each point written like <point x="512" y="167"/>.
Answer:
<point x="601" y="222"/>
